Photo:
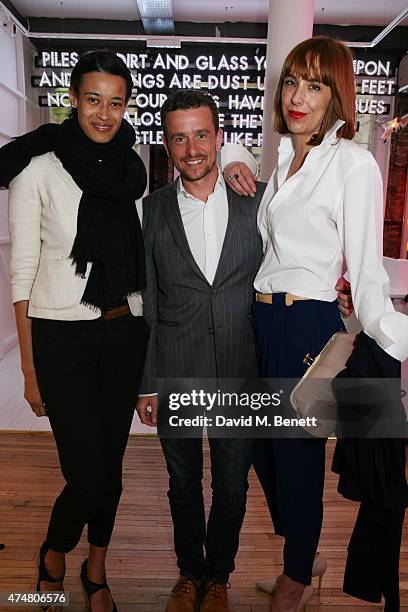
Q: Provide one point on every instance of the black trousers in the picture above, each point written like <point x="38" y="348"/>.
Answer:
<point x="230" y="462"/>
<point x="372" y="471"/>
<point x="291" y="471"/>
<point x="372" y="567"/>
<point x="89" y="374"/>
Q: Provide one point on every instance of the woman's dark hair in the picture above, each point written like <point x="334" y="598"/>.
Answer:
<point x="101" y="61"/>
<point x="184" y="99"/>
<point x="330" y="62"/>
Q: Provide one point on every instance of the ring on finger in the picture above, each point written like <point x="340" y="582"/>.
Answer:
<point x="229" y="177"/>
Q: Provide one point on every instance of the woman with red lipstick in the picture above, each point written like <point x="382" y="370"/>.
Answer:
<point x="77" y="268"/>
<point x="321" y="213"/>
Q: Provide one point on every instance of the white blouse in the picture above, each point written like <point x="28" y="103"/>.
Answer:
<point x="326" y="218"/>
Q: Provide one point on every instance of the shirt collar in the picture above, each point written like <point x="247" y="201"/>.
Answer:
<point x="286" y="143"/>
<point x="220" y="184"/>
<point x="331" y="134"/>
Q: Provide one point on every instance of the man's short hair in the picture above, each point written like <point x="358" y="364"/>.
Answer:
<point x="185" y="99"/>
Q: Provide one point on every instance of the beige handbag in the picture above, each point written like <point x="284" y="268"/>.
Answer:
<point x="313" y="395"/>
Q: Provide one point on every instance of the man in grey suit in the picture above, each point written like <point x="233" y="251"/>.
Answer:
<point x="202" y="252"/>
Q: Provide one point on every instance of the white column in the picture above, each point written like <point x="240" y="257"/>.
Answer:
<point x="289" y="23"/>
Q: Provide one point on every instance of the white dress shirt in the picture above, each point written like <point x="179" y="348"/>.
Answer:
<point x="205" y="224"/>
<point x="324" y="218"/>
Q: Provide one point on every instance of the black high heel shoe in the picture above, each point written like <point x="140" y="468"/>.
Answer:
<point x="43" y="574"/>
<point x="90" y="588"/>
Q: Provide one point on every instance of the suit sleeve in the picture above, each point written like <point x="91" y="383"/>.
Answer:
<point x="149" y="380"/>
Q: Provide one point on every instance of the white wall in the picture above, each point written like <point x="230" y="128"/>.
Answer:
<point x="19" y="113"/>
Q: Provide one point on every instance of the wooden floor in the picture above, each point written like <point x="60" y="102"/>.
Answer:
<point x="141" y="564"/>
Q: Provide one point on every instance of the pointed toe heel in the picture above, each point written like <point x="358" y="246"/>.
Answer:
<point x="319" y="569"/>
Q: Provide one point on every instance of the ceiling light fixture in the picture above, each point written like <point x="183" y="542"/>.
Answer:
<point x="169" y="43"/>
<point x="10" y="23"/>
<point x="144" y="37"/>
<point x="157" y="16"/>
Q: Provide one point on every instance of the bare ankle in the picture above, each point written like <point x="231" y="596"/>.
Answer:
<point x="55" y="562"/>
<point x="96" y="572"/>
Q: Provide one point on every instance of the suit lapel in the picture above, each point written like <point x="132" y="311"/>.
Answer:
<point x="232" y="219"/>
<point x="175" y="223"/>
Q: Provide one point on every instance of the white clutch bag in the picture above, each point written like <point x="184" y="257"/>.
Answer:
<point x="313" y="395"/>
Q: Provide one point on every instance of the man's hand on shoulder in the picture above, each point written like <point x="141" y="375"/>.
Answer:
<point x="146" y="407"/>
<point x="240" y="178"/>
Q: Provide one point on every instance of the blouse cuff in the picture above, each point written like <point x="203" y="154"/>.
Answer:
<point x="391" y="333"/>
<point x="234" y="152"/>
<point x="147" y="394"/>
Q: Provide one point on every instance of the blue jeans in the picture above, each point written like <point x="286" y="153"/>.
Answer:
<point x="230" y="462"/>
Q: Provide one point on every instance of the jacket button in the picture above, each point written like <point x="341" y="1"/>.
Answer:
<point x="210" y="330"/>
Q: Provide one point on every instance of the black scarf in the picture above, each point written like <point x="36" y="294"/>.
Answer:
<point x="111" y="176"/>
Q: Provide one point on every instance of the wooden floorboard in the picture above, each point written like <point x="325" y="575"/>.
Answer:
<point x="141" y="564"/>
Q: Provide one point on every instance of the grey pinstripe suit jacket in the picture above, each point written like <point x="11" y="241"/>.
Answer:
<point x="198" y="329"/>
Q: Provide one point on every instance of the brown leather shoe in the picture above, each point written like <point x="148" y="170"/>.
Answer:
<point x="184" y="596"/>
<point x="215" y="597"/>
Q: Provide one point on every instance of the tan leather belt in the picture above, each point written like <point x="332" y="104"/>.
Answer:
<point x="267" y="298"/>
<point x="115" y="313"/>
